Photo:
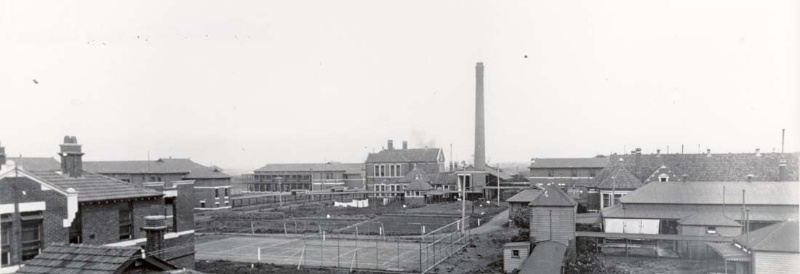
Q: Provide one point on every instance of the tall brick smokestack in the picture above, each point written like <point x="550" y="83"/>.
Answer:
<point x="480" y="133"/>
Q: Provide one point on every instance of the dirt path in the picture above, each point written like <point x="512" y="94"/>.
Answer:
<point x="496" y="223"/>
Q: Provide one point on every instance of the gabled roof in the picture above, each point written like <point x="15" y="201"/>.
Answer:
<point x="95" y="187"/>
<point x="349" y="168"/>
<point x="553" y="196"/>
<point x="780" y="237"/>
<point x="60" y="258"/>
<point x="568" y="162"/>
<point x="663" y="171"/>
<point x="419" y="185"/>
<point x="189" y="168"/>
<point x="444" y="178"/>
<point x="411" y="155"/>
<point x="615" y="176"/>
<point x="415" y="174"/>
<point x="709" y="219"/>
<point x="36" y="163"/>
<point x="525" y="196"/>
<point x="756" y="193"/>
<point x="728" y="167"/>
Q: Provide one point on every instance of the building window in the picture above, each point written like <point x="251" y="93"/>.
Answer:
<point x="711" y="230"/>
<point x="202" y="204"/>
<point x="169" y="213"/>
<point x="226" y="192"/>
<point x="5" y="239"/>
<point x="391" y="170"/>
<point x="126" y="221"/>
<point x="663" y="178"/>
<point x="216" y="193"/>
<point x="216" y="204"/>
<point x="383" y="171"/>
<point x="549" y="173"/>
<point x="574" y="173"/>
<point x="375" y="170"/>
<point x="31" y="234"/>
<point x="76" y="229"/>
<point x="514" y="253"/>
<point x="591" y="173"/>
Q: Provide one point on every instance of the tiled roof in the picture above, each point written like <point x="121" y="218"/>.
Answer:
<point x="36" y="163"/>
<point x="95" y="187"/>
<point x="188" y="167"/>
<point x="709" y="219"/>
<point x="525" y="196"/>
<point x="781" y="237"/>
<point x="676" y="212"/>
<point x="615" y="176"/>
<point x="569" y="162"/>
<point x="59" y="258"/>
<point x="756" y="193"/>
<point x="410" y="155"/>
<point x="553" y="196"/>
<point x="419" y="185"/>
<point x="349" y="168"/>
<point x="727" y="167"/>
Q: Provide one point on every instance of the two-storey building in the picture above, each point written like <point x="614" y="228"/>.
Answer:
<point x="306" y="176"/>
<point x="212" y="187"/>
<point x="386" y="169"/>
<point x="40" y="206"/>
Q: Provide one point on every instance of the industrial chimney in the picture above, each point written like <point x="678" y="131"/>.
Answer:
<point x="71" y="157"/>
<point x="480" y="134"/>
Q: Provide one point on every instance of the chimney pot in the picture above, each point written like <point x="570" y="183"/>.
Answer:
<point x="390" y="145"/>
<point x="749" y="178"/>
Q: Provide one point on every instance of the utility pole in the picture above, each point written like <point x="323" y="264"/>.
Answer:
<point x="463" y="204"/>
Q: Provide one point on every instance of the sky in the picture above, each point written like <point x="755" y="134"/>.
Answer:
<point x="240" y="84"/>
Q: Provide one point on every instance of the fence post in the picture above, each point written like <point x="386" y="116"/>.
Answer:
<point x="338" y="252"/>
<point x="421" y="239"/>
<point x="284" y="230"/>
<point x="322" y="251"/>
<point x="252" y="228"/>
<point x="377" y="253"/>
<point x="398" y="252"/>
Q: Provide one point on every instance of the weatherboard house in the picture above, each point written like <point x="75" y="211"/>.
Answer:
<point x="774" y="249"/>
<point x="49" y="202"/>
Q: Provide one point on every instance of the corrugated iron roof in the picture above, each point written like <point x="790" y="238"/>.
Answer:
<point x="525" y="196"/>
<point x="708" y="219"/>
<point x="553" y="196"/>
<point x="756" y="193"/>
<point x="546" y="258"/>
<point x="781" y="237"/>
<point x="774" y="213"/>
<point x="569" y="162"/>
<point x="615" y="176"/>
<point x="95" y="187"/>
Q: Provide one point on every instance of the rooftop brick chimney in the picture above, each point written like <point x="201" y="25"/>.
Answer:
<point x="758" y="152"/>
<point x="783" y="175"/>
<point x="405" y="144"/>
<point x="155" y="228"/>
<point x="71" y="157"/>
<point x="390" y="145"/>
<point x="2" y="155"/>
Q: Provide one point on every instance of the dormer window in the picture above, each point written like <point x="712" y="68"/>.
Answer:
<point x="711" y="230"/>
<point x="663" y="178"/>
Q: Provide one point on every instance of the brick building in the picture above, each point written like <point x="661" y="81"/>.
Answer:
<point x="212" y="187"/>
<point x="386" y="169"/>
<point x="40" y="206"/>
<point x="308" y="176"/>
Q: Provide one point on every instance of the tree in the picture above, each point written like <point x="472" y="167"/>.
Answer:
<point x="588" y="261"/>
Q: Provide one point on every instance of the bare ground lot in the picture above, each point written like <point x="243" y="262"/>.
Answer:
<point x="653" y="265"/>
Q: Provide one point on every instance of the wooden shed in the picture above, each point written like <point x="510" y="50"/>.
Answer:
<point x="514" y="254"/>
<point x="553" y="217"/>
